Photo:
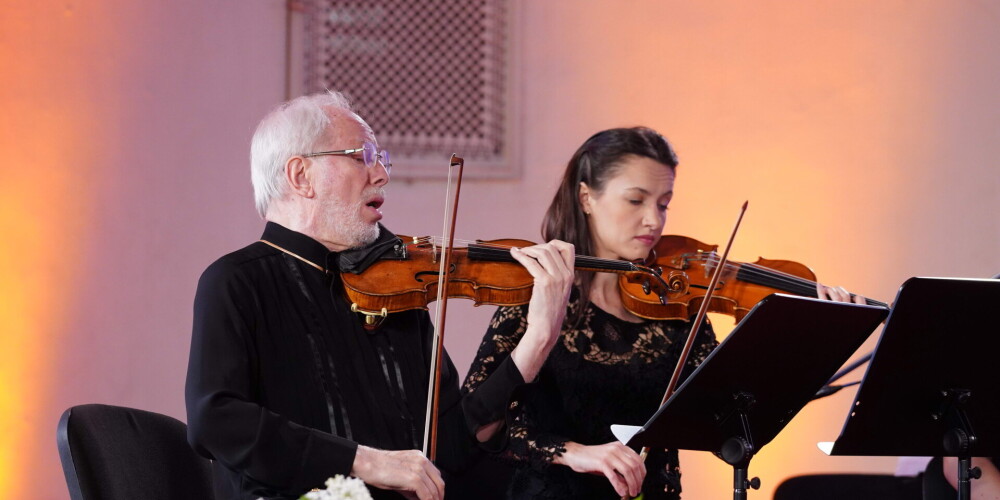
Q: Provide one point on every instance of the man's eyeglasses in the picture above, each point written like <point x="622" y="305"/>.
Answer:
<point x="369" y="153"/>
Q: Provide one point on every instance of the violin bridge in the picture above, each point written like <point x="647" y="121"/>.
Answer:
<point x="713" y="262"/>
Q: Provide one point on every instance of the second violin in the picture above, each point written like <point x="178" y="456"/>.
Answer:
<point x="690" y="263"/>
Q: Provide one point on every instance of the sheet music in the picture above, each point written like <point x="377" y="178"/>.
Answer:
<point x="624" y="433"/>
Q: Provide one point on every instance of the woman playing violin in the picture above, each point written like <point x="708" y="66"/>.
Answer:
<point x="604" y="365"/>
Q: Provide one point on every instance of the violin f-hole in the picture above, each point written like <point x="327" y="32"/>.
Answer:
<point x="418" y="276"/>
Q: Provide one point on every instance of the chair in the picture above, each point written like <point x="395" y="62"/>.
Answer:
<point x="854" y="486"/>
<point x="115" y="453"/>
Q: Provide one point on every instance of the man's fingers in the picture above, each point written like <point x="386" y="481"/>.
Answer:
<point x="424" y="487"/>
<point x="428" y="478"/>
<point x="437" y="480"/>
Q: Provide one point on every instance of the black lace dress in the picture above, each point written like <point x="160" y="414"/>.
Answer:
<point x="605" y="371"/>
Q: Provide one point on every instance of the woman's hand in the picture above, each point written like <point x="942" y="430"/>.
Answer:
<point x="552" y="266"/>
<point x="837" y="294"/>
<point x="617" y="462"/>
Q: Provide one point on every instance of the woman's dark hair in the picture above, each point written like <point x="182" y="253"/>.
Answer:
<point x="593" y="164"/>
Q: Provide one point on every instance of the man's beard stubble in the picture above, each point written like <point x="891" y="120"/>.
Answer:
<point x="356" y="232"/>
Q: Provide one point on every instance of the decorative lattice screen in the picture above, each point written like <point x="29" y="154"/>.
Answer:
<point x="429" y="76"/>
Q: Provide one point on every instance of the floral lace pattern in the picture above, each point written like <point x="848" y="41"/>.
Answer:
<point x="605" y="370"/>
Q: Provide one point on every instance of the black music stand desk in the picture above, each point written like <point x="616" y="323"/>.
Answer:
<point x="931" y="388"/>
<point x="758" y="378"/>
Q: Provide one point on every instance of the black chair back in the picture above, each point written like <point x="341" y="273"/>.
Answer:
<point x="115" y="453"/>
<point x="853" y="486"/>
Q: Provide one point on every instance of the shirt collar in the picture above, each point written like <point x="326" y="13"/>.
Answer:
<point x="300" y="246"/>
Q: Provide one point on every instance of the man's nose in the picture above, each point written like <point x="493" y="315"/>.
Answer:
<point x="378" y="175"/>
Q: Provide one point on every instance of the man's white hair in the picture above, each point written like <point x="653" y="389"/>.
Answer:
<point x="293" y="128"/>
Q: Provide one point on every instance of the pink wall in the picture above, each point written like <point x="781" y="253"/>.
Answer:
<point x="863" y="135"/>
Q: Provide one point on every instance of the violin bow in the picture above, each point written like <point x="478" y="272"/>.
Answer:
<point x="437" y="345"/>
<point x="698" y="320"/>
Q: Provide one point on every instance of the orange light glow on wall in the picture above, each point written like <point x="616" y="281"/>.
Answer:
<point x="35" y="286"/>
<point x="46" y="142"/>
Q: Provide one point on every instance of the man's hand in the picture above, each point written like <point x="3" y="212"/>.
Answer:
<point x="619" y="463"/>
<point x="406" y="471"/>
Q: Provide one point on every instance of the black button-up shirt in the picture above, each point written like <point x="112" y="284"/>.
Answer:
<point x="284" y="383"/>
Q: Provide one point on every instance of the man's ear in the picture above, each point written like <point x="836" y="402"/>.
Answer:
<point x="297" y="177"/>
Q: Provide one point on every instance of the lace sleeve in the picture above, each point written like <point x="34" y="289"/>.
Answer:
<point x="705" y="343"/>
<point x="524" y="443"/>
<point x="505" y="331"/>
<point x="528" y="443"/>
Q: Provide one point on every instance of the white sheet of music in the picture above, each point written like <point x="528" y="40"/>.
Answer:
<point x="624" y="433"/>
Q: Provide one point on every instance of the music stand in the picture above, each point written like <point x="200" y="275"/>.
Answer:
<point x="758" y="378"/>
<point x="930" y="388"/>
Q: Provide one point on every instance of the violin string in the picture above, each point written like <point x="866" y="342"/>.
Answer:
<point x="777" y="279"/>
<point x="769" y="277"/>
<point x="503" y="251"/>
<point x="438" y="240"/>
<point x="766" y="276"/>
<point x="755" y="273"/>
<point x="754" y="269"/>
<point x="750" y="272"/>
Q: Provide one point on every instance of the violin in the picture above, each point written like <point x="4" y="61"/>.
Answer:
<point x="483" y="271"/>
<point x="688" y="265"/>
<point x="669" y="285"/>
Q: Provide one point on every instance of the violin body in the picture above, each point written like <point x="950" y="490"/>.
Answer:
<point x="687" y="264"/>
<point x="389" y="286"/>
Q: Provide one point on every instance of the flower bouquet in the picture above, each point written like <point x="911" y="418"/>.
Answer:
<point x="340" y="488"/>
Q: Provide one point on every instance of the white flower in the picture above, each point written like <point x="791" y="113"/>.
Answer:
<point x="341" y="488"/>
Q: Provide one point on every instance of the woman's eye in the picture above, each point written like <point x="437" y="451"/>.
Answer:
<point x="635" y="202"/>
<point x="663" y="207"/>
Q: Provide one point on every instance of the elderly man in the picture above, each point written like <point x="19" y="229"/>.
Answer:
<point x="285" y="387"/>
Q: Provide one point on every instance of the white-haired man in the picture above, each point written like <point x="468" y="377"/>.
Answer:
<point x="285" y="388"/>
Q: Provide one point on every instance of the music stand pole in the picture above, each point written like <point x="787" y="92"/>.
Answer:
<point x="959" y="437"/>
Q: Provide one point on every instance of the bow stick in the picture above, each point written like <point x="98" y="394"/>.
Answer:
<point x="698" y="320"/>
<point x="437" y="345"/>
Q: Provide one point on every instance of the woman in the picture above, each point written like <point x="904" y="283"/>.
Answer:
<point x="605" y="365"/>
